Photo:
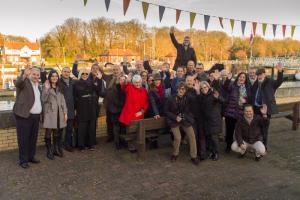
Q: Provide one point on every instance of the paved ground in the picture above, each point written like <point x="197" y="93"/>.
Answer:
<point x="108" y="174"/>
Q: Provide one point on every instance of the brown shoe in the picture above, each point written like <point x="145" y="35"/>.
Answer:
<point x="195" y="161"/>
<point x="173" y="158"/>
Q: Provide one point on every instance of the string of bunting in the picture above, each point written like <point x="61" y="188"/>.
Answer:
<point x="192" y="15"/>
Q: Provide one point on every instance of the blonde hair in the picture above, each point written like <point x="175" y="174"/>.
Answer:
<point x="82" y="71"/>
<point x="205" y="83"/>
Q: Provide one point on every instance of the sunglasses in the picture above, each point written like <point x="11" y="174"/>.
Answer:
<point x="84" y="74"/>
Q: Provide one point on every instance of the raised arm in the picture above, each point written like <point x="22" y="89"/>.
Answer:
<point x="173" y="39"/>
<point x="75" y="69"/>
<point x="279" y="81"/>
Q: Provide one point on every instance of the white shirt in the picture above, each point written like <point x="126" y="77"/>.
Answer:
<point x="37" y="105"/>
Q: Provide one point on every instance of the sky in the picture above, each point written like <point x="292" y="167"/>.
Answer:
<point x="34" y="18"/>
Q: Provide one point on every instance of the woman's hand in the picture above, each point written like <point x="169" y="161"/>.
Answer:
<point x="99" y="75"/>
<point x="216" y="94"/>
<point x="138" y="114"/>
<point x="47" y="85"/>
<point x="66" y="117"/>
<point x="156" y="116"/>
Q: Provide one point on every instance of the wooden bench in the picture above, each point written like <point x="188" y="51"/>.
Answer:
<point x="139" y="130"/>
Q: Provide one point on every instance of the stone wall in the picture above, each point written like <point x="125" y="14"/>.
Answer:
<point x="8" y="136"/>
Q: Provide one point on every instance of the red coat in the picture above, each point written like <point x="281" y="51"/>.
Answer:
<point x="136" y="99"/>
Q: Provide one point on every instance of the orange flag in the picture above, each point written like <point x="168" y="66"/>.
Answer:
<point x="221" y="22"/>
<point x="283" y="30"/>
<point x="178" y="12"/>
<point x="254" y="24"/>
<point x="125" y="6"/>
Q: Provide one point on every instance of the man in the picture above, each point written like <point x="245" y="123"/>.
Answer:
<point x="190" y="70"/>
<point x="66" y="85"/>
<point x="263" y="92"/>
<point x="147" y="65"/>
<point x="139" y="68"/>
<point x="252" y="75"/>
<point x="248" y="132"/>
<point x="201" y="75"/>
<point x="27" y="110"/>
<point x="184" y="51"/>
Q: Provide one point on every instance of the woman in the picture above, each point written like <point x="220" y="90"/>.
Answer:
<point x="178" y="116"/>
<point x="144" y="75"/>
<point x="86" y="100"/>
<point x="54" y="115"/>
<point x="210" y="106"/>
<point x="238" y="93"/>
<point x="136" y="102"/>
<point x="156" y="97"/>
<point x="180" y="77"/>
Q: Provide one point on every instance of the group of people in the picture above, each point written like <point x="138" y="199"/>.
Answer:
<point x="193" y="102"/>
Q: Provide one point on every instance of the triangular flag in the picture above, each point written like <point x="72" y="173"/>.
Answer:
<point x="274" y="29"/>
<point x="283" y="30"/>
<point x="107" y="2"/>
<point x="178" y="12"/>
<point x="254" y="24"/>
<point x="206" y="21"/>
<point x="232" y="24"/>
<point x="243" y="25"/>
<point x="125" y="6"/>
<point x="161" y="12"/>
<point x="145" y="6"/>
<point x="264" y="28"/>
<point x="192" y="18"/>
<point x="251" y="39"/>
<point x="221" y="22"/>
<point x="84" y="2"/>
<point x="293" y="30"/>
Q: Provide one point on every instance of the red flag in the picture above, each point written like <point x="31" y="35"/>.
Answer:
<point x="221" y="22"/>
<point x="178" y="12"/>
<point x="254" y="24"/>
<point x="125" y="6"/>
<point x="251" y="39"/>
<point x="283" y="30"/>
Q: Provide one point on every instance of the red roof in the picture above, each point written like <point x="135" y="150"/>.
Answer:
<point x="20" y="45"/>
<point x="119" y="52"/>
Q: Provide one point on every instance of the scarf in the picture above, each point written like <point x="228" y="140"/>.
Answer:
<point x="160" y="90"/>
<point x="242" y="93"/>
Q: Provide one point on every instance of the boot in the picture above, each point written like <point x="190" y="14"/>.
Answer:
<point x="50" y="155"/>
<point x="57" y="147"/>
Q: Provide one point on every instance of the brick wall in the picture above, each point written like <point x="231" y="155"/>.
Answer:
<point x="8" y="136"/>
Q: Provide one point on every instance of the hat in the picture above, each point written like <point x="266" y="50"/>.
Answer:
<point x="260" y="71"/>
<point x="157" y="77"/>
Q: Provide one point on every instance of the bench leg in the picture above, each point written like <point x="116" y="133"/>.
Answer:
<point x="296" y="117"/>
<point x="141" y="142"/>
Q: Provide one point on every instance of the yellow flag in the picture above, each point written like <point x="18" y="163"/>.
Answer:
<point x="145" y="6"/>
<point x="232" y="24"/>
<point x="84" y="2"/>
<point x="264" y="28"/>
<point x="192" y="18"/>
<point x="293" y="30"/>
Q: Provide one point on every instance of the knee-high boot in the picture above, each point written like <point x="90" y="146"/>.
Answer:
<point x="50" y="155"/>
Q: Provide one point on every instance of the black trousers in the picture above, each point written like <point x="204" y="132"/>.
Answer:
<point x="86" y="133"/>
<point x="110" y="124"/>
<point x="230" y="127"/>
<point x="265" y="128"/>
<point x="69" y="133"/>
<point x="213" y="142"/>
<point x="27" y="133"/>
<point x="200" y="137"/>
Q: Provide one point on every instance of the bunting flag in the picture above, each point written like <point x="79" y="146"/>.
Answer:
<point x="274" y="29"/>
<point x="206" y="21"/>
<point x="145" y="6"/>
<point x="107" y="3"/>
<point x="283" y="30"/>
<point x="178" y="12"/>
<point x="232" y="24"/>
<point x="251" y="39"/>
<point x="254" y="24"/>
<point x="243" y="24"/>
<point x="84" y="2"/>
<point x="161" y="12"/>
<point x="293" y="30"/>
<point x="264" y="28"/>
<point x="221" y="22"/>
<point x="125" y="6"/>
<point x="192" y="18"/>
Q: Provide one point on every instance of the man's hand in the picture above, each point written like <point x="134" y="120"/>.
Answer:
<point x="243" y="147"/>
<point x="178" y="119"/>
<point x="156" y="116"/>
<point x="172" y="29"/>
<point x="47" y="85"/>
<point x="280" y="67"/>
<point x="216" y="94"/>
<point x="264" y="109"/>
<point x="99" y="75"/>
<point x="77" y="58"/>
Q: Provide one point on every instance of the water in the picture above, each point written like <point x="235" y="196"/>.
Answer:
<point x="6" y="105"/>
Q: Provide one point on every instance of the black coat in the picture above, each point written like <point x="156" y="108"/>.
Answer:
<point x="115" y="98"/>
<point x="183" y="56"/>
<point x="86" y="100"/>
<point x="249" y="133"/>
<point x="156" y="104"/>
<point x="193" y="101"/>
<point x="268" y="87"/>
<point x="166" y="76"/>
<point x="210" y="109"/>
<point x="173" y="109"/>
<point x="68" y="91"/>
<point x="147" y="67"/>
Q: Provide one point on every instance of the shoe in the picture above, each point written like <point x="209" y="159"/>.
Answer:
<point x="68" y="148"/>
<point x="57" y="149"/>
<point x="24" y="165"/>
<point x="81" y="149"/>
<point x="34" y="161"/>
<point x="210" y="156"/>
<point x="215" y="157"/>
<point x="202" y="157"/>
<point x="227" y="150"/>
<point x="173" y="158"/>
<point x="109" y="139"/>
<point x="195" y="161"/>
<point x="133" y="150"/>
<point x="92" y="148"/>
<point x="257" y="158"/>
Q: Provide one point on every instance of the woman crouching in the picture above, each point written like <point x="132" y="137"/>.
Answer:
<point x="54" y="115"/>
<point x="179" y="116"/>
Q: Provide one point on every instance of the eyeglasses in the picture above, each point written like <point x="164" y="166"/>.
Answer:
<point x="204" y="87"/>
<point x="199" y="68"/>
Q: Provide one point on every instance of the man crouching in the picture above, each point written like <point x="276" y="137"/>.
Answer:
<point x="248" y="132"/>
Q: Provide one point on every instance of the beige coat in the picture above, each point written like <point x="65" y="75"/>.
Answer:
<point x="52" y="103"/>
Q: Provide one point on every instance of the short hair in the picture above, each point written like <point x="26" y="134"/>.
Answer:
<point x="35" y="69"/>
<point x="108" y="63"/>
<point x="189" y="76"/>
<point x="136" y="78"/>
<point x="248" y="106"/>
<point x="182" y="67"/>
<point x="66" y="68"/>
<point x="181" y="85"/>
